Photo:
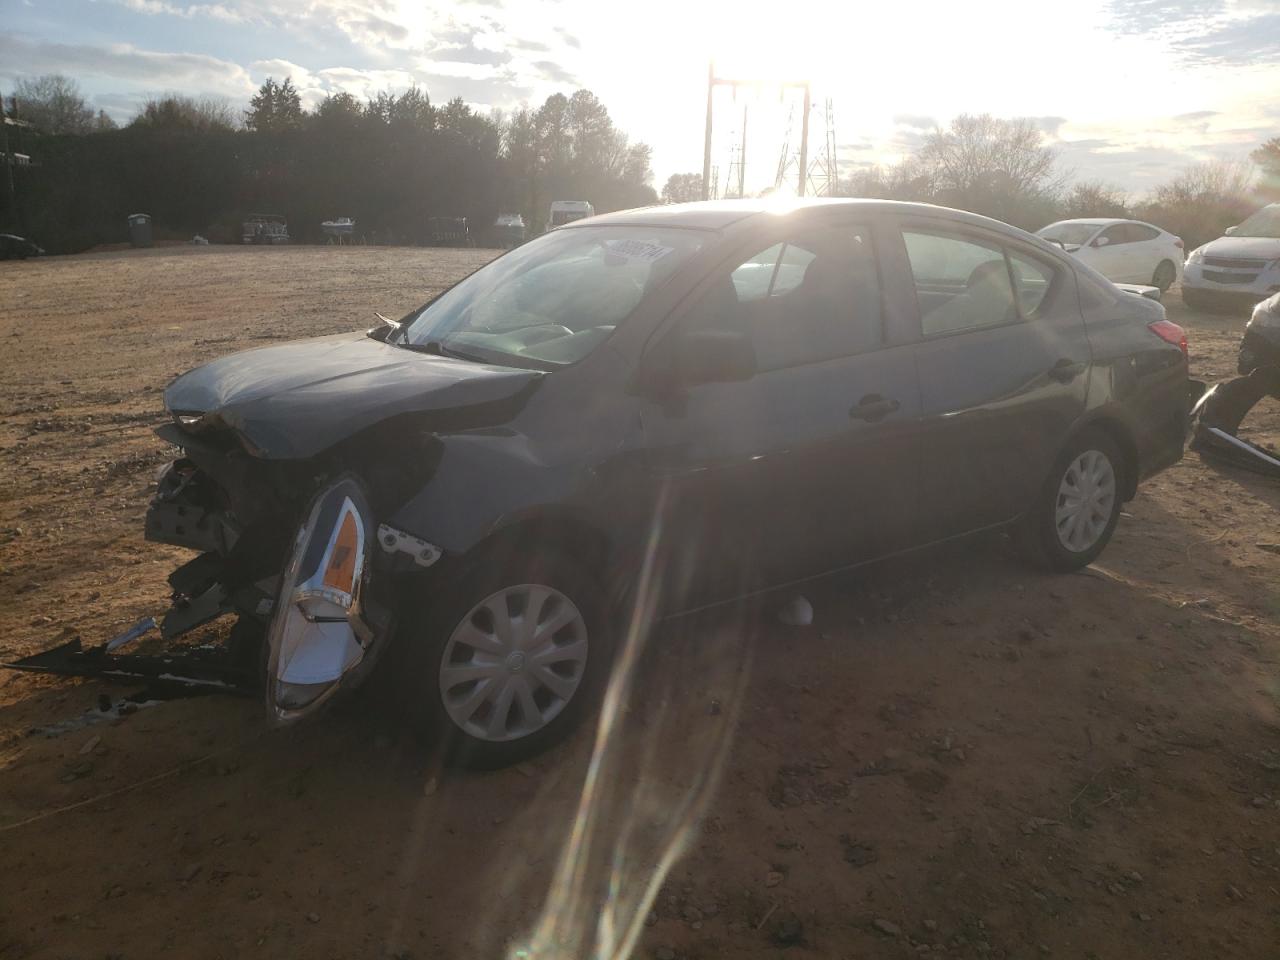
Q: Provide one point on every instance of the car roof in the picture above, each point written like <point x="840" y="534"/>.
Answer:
<point x="1093" y="221"/>
<point x="722" y="214"/>
<point x="1105" y="222"/>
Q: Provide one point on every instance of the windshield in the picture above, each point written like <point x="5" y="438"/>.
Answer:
<point x="552" y="301"/>
<point x="1065" y="232"/>
<point x="1264" y="223"/>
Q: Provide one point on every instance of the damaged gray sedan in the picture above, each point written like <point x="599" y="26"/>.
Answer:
<point x="727" y="397"/>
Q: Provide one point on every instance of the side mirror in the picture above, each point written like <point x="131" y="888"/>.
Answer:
<point x="714" y="356"/>
<point x="1100" y="242"/>
<point x="1230" y="230"/>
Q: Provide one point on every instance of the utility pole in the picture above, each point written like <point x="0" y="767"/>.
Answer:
<point x="706" y="148"/>
<point x="742" y="157"/>
<point x="11" y="211"/>
<point x="804" y="143"/>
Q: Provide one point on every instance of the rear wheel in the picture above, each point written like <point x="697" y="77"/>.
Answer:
<point x="507" y="659"/>
<point x="1164" y="276"/>
<point x="1078" y="507"/>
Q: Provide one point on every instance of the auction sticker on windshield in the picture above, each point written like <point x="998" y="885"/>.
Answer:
<point x="640" y="251"/>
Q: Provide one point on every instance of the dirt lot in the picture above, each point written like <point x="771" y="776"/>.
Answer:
<point x="959" y="757"/>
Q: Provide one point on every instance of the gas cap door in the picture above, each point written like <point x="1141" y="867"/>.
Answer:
<point x="317" y="635"/>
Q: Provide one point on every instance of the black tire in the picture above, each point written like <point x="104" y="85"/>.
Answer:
<point x="1213" y="303"/>
<point x="1196" y="300"/>
<point x="1038" y="534"/>
<point x="423" y="642"/>
<point x="1166" y="273"/>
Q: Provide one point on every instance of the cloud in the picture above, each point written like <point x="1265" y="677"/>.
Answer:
<point x="468" y="52"/>
<point x="194" y="73"/>
<point x="1209" y="32"/>
<point x="569" y="38"/>
<point x="215" y="11"/>
<point x="1048" y="125"/>
<point x="554" y="72"/>
<point x="1253" y="40"/>
<point x="373" y="29"/>
<point x="916" y="121"/>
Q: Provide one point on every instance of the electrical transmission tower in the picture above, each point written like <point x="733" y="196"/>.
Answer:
<point x="709" y="186"/>
<point x="738" y="163"/>
<point x="784" y="158"/>
<point x="822" y="178"/>
<point x="824" y="171"/>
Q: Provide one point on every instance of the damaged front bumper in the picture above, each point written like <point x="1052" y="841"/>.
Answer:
<point x="298" y="577"/>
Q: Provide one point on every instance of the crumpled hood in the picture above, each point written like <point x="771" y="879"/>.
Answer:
<point x="297" y="399"/>
<point x="1245" y="248"/>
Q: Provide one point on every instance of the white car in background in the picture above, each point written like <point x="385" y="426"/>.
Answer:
<point x="1124" y="251"/>
<point x="1242" y="267"/>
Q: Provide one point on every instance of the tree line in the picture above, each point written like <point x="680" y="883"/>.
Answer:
<point x="391" y="162"/>
<point x="1005" y="169"/>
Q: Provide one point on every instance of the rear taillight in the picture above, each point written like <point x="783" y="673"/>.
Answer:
<point x="1170" y="332"/>
<point x="1177" y="242"/>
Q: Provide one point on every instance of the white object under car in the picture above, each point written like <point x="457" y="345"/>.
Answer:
<point x="1123" y="251"/>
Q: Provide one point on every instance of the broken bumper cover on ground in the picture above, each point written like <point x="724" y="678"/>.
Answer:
<point x="1216" y="421"/>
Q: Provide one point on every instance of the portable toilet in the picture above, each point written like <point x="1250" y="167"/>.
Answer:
<point x="140" y="229"/>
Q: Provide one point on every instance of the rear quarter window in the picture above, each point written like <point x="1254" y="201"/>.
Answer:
<point x="1138" y="232"/>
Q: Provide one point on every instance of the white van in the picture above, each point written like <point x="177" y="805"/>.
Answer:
<point x="567" y="211"/>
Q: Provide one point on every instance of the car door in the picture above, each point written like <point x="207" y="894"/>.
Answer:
<point x="1114" y="258"/>
<point x="808" y="464"/>
<point x="1145" y="252"/>
<point x="1003" y="362"/>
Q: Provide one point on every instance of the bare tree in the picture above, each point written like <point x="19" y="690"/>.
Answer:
<point x="1267" y="157"/>
<point x="682" y="188"/>
<point x="53" y="104"/>
<point x="1093" y="198"/>
<point x="1202" y="201"/>
<point x="173" y="111"/>
<point x="907" y="180"/>
<point x="990" y="165"/>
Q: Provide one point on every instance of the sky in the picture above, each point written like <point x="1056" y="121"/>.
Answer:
<point x="1127" y="91"/>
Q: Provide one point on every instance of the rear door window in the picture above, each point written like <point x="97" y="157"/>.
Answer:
<point x="1139" y="232"/>
<point x="1116" y="233"/>
<point x="1032" y="280"/>
<point x="961" y="283"/>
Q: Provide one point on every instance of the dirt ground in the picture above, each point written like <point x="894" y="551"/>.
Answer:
<point x="959" y="758"/>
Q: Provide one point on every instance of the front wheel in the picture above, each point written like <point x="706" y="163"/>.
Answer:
<point x="1078" y="508"/>
<point x="507" y="659"/>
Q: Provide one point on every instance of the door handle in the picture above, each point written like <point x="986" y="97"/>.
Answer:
<point x="1065" y="370"/>
<point x="873" y="407"/>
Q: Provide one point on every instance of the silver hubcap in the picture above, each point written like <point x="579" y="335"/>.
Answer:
<point x="514" y="662"/>
<point x="1086" y="497"/>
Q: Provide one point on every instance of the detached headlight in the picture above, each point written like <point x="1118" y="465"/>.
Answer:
<point x="1196" y="255"/>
